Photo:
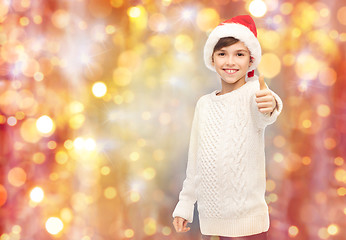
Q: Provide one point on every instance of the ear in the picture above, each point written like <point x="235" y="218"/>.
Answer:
<point x="212" y="61"/>
<point x="251" y="61"/>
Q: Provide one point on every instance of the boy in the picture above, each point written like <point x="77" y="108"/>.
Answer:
<point x="226" y="160"/>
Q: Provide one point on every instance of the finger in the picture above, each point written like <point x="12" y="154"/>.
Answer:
<point x="262" y="83"/>
<point x="264" y="99"/>
<point x="180" y="224"/>
<point x="266" y="110"/>
<point x="264" y="104"/>
<point x="175" y="224"/>
<point x="263" y="92"/>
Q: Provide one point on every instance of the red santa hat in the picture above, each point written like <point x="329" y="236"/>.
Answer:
<point x="242" y="28"/>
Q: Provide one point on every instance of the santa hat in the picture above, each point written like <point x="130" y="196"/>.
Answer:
<point x="242" y="28"/>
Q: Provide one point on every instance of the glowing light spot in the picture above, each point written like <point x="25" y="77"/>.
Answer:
<point x="51" y="145"/>
<point x="270" y="185"/>
<point x="306" y="160"/>
<point x="134" y="156"/>
<point x="257" y="8"/>
<point x="16" y="176"/>
<point x="2" y="119"/>
<point x="341" y="191"/>
<point x="110" y="192"/>
<point x="37" y="194"/>
<point x="45" y="124"/>
<point x="134" y="196"/>
<point x="60" y="19"/>
<point x="341" y="15"/>
<point x="157" y="22"/>
<point x="166" y="231"/>
<point x="183" y="43"/>
<point x="77" y="121"/>
<point x="68" y="144"/>
<point x="78" y="143"/>
<point x="207" y="19"/>
<point x="117" y="3"/>
<point x="61" y="157"/>
<point x="122" y="76"/>
<point x="327" y="76"/>
<point x="323" y="110"/>
<point x="278" y="157"/>
<point x="279" y="141"/>
<point x="3" y="195"/>
<point x="38" y="76"/>
<point x="54" y="225"/>
<point x="293" y="231"/>
<point x="329" y="143"/>
<point x="270" y="65"/>
<point x="339" y="161"/>
<point x="66" y="215"/>
<point x="16" y="229"/>
<point x="134" y="12"/>
<point x="129" y="233"/>
<point x="24" y="21"/>
<point x="110" y="29"/>
<point x="99" y="89"/>
<point x="306" y="123"/>
<point x="149" y="226"/>
<point x="307" y="67"/>
<point x="89" y="144"/>
<point x="105" y="170"/>
<point x="12" y="121"/>
<point x="340" y="175"/>
<point x="323" y="233"/>
<point x="149" y="173"/>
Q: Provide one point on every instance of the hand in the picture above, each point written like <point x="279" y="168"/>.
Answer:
<point x="180" y="224"/>
<point x="265" y="100"/>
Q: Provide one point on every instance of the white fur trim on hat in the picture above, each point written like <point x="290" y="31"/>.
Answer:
<point x="239" y="32"/>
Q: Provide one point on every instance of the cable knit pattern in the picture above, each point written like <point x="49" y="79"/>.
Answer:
<point x="226" y="164"/>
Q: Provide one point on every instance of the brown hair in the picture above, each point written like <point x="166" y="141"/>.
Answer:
<point x="224" y="42"/>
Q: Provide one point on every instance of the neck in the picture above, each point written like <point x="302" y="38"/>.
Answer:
<point x="229" y="87"/>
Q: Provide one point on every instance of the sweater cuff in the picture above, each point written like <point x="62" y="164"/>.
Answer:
<point x="184" y="209"/>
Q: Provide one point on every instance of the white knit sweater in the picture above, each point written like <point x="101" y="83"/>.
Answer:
<point x="226" y="164"/>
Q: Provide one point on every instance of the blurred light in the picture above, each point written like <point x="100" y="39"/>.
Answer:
<point x="24" y="21"/>
<point x="207" y="19"/>
<point x="122" y="76"/>
<point x="270" y="185"/>
<point x="157" y="22"/>
<point x="16" y="229"/>
<point x="68" y="144"/>
<point x="270" y="65"/>
<point x="61" y="157"/>
<point x="134" y="156"/>
<point x="37" y="194"/>
<point x="99" y="89"/>
<point x="339" y="161"/>
<point x="110" y="192"/>
<point x="38" y="158"/>
<point x="60" y="18"/>
<point x="183" y="43"/>
<point x="66" y="215"/>
<point x="333" y="229"/>
<point x="257" y="8"/>
<point x="187" y="14"/>
<point x="149" y="226"/>
<point x="3" y="195"/>
<point x="76" y="107"/>
<point x="45" y="124"/>
<point x="279" y="141"/>
<point x="166" y="231"/>
<point x="307" y="67"/>
<point x="340" y="175"/>
<point x="166" y="3"/>
<point x="37" y="19"/>
<point x="2" y="119"/>
<point x="89" y="144"/>
<point x="105" y="170"/>
<point x="278" y="157"/>
<point x="16" y="176"/>
<point x="293" y="231"/>
<point x="38" y="76"/>
<point x="341" y="191"/>
<point x="54" y="225"/>
<point x="51" y="145"/>
<point x="134" y="196"/>
<point x="327" y="76"/>
<point x="11" y="121"/>
<point x="323" y="110"/>
<point x="134" y="12"/>
<point x="341" y="15"/>
<point x="323" y="233"/>
<point x="117" y="3"/>
<point x="306" y="160"/>
<point x="129" y="233"/>
<point x="149" y="173"/>
<point x="78" y="143"/>
<point x="110" y="29"/>
<point x="329" y="143"/>
<point x="77" y="121"/>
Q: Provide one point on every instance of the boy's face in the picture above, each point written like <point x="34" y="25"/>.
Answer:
<point x="232" y="62"/>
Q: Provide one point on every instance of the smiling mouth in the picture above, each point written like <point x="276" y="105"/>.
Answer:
<point x="230" y="71"/>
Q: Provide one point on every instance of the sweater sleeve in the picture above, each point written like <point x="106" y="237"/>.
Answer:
<point x="264" y="119"/>
<point x="187" y="196"/>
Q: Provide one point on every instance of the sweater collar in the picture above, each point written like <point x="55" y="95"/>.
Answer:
<point x="241" y="90"/>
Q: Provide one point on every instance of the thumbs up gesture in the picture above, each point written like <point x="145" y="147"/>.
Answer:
<point x="265" y="100"/>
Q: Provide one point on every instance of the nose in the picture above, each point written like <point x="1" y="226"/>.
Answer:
<point x="230" y="60"/>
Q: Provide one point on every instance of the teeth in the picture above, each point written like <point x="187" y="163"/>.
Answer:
<point x="230" y="70"/>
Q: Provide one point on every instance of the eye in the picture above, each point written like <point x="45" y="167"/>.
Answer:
<point x="240" y="54"/>
<point x="221" y="54"/>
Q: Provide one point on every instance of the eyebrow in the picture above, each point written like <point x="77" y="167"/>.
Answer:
<point x="237" y="50"/>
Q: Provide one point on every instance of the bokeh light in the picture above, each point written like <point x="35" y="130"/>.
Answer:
<point x="96" y="105"/>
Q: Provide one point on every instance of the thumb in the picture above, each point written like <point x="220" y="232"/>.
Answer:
<point x="262" y="83"/>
